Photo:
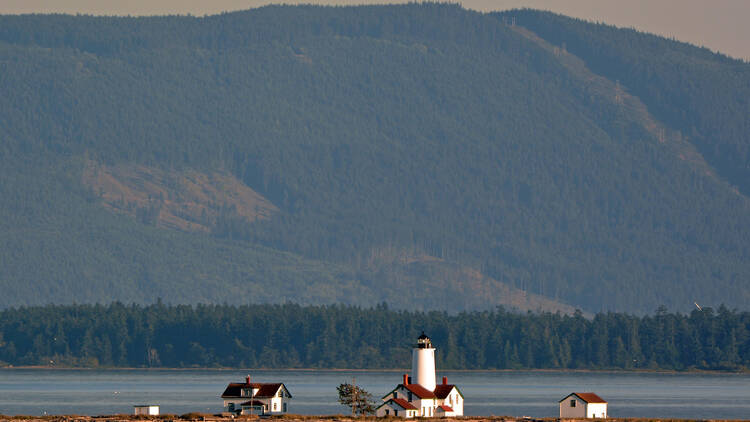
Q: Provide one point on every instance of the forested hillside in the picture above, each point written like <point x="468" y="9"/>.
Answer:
<point x="702" y="94"/>
<point x="291" y="336"/>
<point x="421" y="155"/>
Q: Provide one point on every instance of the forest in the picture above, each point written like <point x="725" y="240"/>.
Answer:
<point x="294" y="336"/>
<point x="640" y="62"/>
<point x="419" y="148"/>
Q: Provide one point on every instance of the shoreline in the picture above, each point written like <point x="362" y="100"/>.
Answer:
<point x="396" y="370"/>
<point x="195" y="417"/>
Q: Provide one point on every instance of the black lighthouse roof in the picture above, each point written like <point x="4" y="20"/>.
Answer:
<point x="423" y="342"/>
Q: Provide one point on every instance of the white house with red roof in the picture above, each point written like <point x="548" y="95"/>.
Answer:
<point x="423" y="398"/>
<point x="398" y="408"/>
<point x="582" y="405"/>
<point x="256" y="398"/>
<point x="450" y="400"/>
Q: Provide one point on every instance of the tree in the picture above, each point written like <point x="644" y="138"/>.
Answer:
<point x="358" y="399"/>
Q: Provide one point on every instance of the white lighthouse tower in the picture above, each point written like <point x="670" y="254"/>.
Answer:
<point x="419" y="395"/>
<point x="423" y="363"/>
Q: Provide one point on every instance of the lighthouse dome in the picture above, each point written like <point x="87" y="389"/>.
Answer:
<point x="423" y="342"/>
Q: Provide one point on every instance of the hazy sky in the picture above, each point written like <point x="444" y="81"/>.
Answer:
<point x="717" y="24"/>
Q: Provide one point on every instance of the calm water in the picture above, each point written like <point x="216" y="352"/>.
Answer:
<point x="98" y="392"/>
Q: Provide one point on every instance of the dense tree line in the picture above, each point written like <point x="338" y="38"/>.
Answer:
<point x="276" y="336"/>
<point x="422" y="128"/>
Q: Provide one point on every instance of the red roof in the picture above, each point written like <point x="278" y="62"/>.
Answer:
<point x="253" y="403"/>
<point x="446" y="408"/>
<point x="442" y="390"/>
<point x="587" y="397"/>
<point x="403" y="403"/>
<point x="420" y="391"/>
<point x="265" y="390"/>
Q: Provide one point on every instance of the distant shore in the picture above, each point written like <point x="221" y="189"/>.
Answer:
<point x="198" y="417"/>
<point x="402" y="370"/>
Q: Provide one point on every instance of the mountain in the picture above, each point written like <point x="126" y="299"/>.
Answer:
<point x="421" y="155"/>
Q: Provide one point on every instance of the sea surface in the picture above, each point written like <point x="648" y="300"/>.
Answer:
<point x="513" y="393"/>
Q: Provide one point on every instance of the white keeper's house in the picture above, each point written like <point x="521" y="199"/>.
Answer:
<point x="582" y="405"/>
<point x="419" y="395"/>
<point x="256" y="398"/>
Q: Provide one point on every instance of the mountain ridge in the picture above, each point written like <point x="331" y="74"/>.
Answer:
<point x="421" y="128"/>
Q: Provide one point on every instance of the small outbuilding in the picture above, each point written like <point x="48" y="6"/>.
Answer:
<point x="582" y="405"/>
<point x="444" y="411"/>
<point x="146" y="409"/>
<point x="396" y="407"/>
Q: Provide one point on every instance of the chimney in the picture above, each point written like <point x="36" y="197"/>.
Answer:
<point x="409" y="380"/>
<point x="406" y="379"/>
<point x="247" y="380"/>
<point x="445" y="380"/>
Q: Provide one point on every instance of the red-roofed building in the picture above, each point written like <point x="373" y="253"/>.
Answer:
<point x="583" y="405"/>
<point x="398" y="408"/>
<point x="427" y="398"/>
<point x="449" y="395"/>
<point x="444" y="411"/>
<point x="256" y="398"/>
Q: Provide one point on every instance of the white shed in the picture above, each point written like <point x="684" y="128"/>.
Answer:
<point x="146" y="409"/>
<point x="583" y="405"/>
<point x="396" y="407"/>
<point x="444" y="411"/>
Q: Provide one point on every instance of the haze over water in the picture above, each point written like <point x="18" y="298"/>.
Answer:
<point x="514" y="393"/>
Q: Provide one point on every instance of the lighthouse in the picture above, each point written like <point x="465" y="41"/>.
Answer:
<point x="423" y="363"/>
<point x="419" y="395"/>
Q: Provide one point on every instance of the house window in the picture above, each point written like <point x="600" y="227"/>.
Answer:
<point x="410" y="397"/>
<point x="395" y="412"/>
<point x="395" y="394"/>
<point x="274" y="406"/>
<point x="231" y="407"/>
<point x="387" y="412"/>
<point x="284" y="407"/>
<point x="573" y="403"/>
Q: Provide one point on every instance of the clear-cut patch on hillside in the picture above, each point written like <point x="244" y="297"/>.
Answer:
<point x="449" y="284"/>
<point x="185" y="200"/>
